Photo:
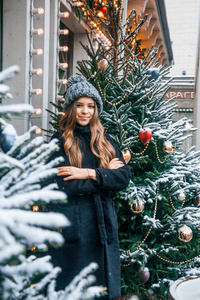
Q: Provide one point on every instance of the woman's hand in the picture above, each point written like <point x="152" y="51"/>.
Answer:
<point x="76" y="173"/>
<point x="72" y="173"/>
<point x="115" y="163"/>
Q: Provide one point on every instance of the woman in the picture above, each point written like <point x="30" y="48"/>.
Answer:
<point x="92" y="167"/>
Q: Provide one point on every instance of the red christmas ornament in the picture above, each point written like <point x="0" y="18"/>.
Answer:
<point x="95" y="5"/>
<point x="145" y="136"/>
<point x="103" y="9"/>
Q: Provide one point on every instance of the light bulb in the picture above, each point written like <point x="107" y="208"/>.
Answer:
<point x="35" y="208"/>
<point x="63" y="48"/>
<point x="63" y="31"/>
<point x="38" y="31"/>
<point x="62" y="81"/>
<point x="63" y="14"/>
<point x="93" y="24"/>
<point x="79" y="3"/>
<point x="38" y="130"/>
<point x="63" y="65"/>
<point x="100" y="14"/>
<point x="36" y="72"/>
<point x="36" y="51"/>
<point x="37" y="11"/>
<point x="60" y="98"/>
<point x="38" y="111"/>
<point x="36" y="91"/>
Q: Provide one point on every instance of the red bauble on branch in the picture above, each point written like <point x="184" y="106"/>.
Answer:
<point x="103" y="9"/>
<point x="145" y="135"/>
<point x="95" y="5"/>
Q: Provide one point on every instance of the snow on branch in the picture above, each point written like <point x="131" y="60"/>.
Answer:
<point x="9" y="72"/>
<point x="17" y="108"/>
<point x="28" y="199"/>
<point x="11" y="161"/>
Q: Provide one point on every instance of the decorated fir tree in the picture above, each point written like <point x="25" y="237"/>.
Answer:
<point x="159" y="214"/>
<point x="25" y="229"/>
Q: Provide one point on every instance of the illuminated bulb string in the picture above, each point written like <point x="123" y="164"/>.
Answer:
<point x="33" y="55"/>
<point x="61" y="65"/>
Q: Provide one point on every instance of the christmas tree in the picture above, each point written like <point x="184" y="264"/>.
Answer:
<point x="23" y="227"/>
<point x="159" y="214"/>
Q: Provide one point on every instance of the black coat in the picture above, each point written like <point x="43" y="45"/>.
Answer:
<point x="93" y="234"/>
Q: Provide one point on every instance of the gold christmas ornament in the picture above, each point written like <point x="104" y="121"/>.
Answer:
<point x="196" y="201"/>
<point x="137" y="207"/>
<point x="181" y="196"/>
<point x="103" y="65"/>
<point x="185" y="233"/>
<point x="167" y="147"/>
<point x="126" y="155"/>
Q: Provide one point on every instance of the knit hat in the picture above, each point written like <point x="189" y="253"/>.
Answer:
<point x="77" y="87"/>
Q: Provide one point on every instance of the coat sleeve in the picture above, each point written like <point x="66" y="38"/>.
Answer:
<point x="116" y="179"/>
<point x="120" y="177"/>
<point x="75" y="186"/>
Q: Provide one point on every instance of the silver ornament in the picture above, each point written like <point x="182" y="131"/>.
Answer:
<point x="167" y="147"/>
<point x="185" y="234"/>
<point x="137" y="207"/>
<point x="144" y="274"/>
<point x="181" y="196"/>
<point x="103" y="65"/>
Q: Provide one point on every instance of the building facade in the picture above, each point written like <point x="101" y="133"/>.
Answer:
<point x="43" y="37"/>
<point x="197" y="89"/>
<point x="183" y="19"/>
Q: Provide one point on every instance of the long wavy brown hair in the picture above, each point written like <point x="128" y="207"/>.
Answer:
<point x="105" y="151"/>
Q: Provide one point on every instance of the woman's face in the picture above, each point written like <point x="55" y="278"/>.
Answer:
<point x="84" y="110"/>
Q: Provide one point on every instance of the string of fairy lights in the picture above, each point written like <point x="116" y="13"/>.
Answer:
<point x="61" y="65"/>
<point x="34" y="52"/>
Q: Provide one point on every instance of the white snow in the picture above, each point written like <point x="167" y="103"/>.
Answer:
<point x="16" y="108"/>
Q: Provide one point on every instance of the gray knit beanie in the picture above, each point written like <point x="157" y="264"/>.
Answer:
<point x="77" y="87"/>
